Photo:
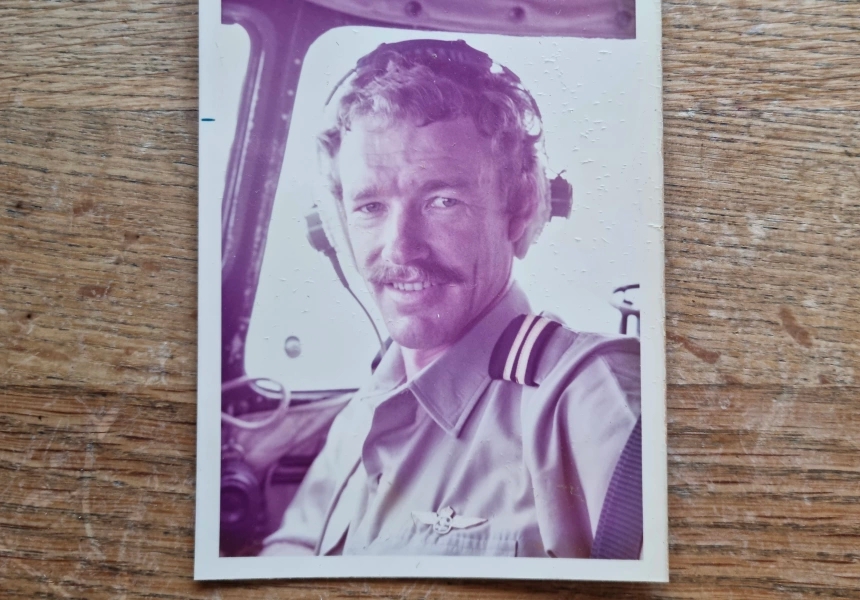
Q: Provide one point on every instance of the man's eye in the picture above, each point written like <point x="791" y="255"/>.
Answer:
<point x="370" y="208"/>
<point x="442" y="202"/>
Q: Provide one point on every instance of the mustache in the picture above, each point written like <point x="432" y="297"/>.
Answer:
<point x="424" y="270"/>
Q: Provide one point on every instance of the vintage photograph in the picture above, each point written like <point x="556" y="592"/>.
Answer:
<point x="437" y="344"/>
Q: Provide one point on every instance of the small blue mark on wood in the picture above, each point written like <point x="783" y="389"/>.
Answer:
<point x="207" y="119"/>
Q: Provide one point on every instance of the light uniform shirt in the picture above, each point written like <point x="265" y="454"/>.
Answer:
<point x="527" y="468"/>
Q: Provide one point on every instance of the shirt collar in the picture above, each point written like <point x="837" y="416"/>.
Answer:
<point x="449" y="387"/>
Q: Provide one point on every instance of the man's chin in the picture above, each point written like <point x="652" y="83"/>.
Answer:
<point x="418" y="333"/>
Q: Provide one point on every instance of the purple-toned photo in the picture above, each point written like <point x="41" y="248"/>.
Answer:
<point x="440" y="256"/>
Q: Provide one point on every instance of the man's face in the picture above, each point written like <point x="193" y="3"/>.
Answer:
<point x="427" y="225"/>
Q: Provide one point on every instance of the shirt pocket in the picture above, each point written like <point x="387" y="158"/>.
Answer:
<point x="472" y="544"/>
<point x="454" y="543"/>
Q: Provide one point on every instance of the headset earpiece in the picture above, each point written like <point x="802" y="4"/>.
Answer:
<point x="319" y="241"/>
<point x="560" y="197"/>
<point x="316" y="233"/>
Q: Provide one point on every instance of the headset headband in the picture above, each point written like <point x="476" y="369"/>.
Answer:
<point x="442" y="57"/>
<point x="452" y="59"/>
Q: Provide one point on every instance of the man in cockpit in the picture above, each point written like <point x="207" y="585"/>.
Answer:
<point x="485" y="429"/>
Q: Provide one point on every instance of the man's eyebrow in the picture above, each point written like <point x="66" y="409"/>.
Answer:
<point x="458" y="183"/>
<point x="373" y="192"/>
<point x="370" y="192"/>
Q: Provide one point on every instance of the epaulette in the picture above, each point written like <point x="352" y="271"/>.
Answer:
<point x="517" y="352"/>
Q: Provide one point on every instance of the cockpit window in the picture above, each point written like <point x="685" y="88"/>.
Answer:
<point x="234" y="51"/>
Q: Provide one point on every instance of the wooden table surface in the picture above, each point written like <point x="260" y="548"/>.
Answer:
<point x="98" y="237"/>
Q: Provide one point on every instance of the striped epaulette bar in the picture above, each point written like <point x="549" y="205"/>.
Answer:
<point x="517" y="353"/>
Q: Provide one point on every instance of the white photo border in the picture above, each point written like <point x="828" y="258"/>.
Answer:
<point x="652" y="567"/>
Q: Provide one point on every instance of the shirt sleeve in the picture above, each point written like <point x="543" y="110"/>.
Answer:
<point x="305" y="518"/>
<point x="575" y="426"/>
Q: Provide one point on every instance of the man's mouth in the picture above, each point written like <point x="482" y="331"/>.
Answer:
<point x="413" y="283"/>
<point x="411" y="286"/>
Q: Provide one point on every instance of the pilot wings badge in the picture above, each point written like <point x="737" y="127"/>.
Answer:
<point x="444" y="520"/>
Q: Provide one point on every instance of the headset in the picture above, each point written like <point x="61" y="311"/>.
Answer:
<point x="452" y="59"/>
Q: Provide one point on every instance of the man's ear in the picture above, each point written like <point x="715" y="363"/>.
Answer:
<point x="529" y="216"/>
<point x="517" y="225"/>
<point x="521" y="216"/>
<point x="520" y="232"/>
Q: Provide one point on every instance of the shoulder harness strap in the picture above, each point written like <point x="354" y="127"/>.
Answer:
<point x="517" y="353"/>
<point x="378" y="358"/>
<point x="619" y="531"/>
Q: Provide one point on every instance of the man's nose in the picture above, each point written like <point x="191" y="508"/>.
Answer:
<point x="404" y="238"/>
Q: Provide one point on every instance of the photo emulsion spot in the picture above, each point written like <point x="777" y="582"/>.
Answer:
<point x="438" y="343"/>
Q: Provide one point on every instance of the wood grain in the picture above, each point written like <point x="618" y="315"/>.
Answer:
<point x="98" y="306"/>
